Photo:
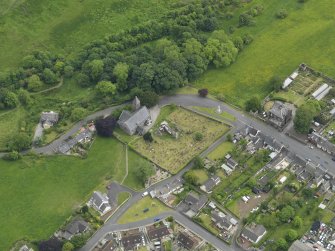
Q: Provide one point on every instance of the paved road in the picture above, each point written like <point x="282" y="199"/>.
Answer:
<point x="316" y="155"/>
<point x="186" y="222"/>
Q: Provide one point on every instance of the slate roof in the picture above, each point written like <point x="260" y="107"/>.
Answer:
<point x="129" y="242"/>
<point x="231" y="163"/>
<point x="51" y="117"/>
<point x="158" y="233"/>
<point x="186" y="241"/>
<point x="132" y="121"/>
<point x="195" y="201"/>
<point x="253" y="232"/>
<point x="279" y="110"/>
<point x="322" y="142"/>
<point x="76" y="227"/>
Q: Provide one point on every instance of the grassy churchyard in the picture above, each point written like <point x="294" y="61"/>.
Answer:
<point x="137" y="211"/>
<point x="42" y="192"/>
<point x="173" y="154"/>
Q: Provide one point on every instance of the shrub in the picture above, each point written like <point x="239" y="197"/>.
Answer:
<point x="203" y="92"/>
<point x="12" y="156"/>
<point x="281" y="14"/>
<point x="198" y="136"/>
<point x="148" y="137"/>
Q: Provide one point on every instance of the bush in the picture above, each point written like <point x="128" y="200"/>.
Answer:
<point x="148" y="137"/>
<point x="253" y="104"/>
<point x="19" y="142"/>
<point x="198" y="136"/>
<point x="203" y="92"/>
<point x="77" y="114"/>
<point x="291" y="235"/>
<point x="281" y="14"/>
<point x="12" y="156"/>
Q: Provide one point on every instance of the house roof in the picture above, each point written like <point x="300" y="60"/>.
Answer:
<point x="129" y="242"/>
<point x="186" y="241"/>
<point x="158" y="233"/>
<point x="98" y="199"/>
<point x="209" y="185"/>
<point x="279" y="110"/>
<point x="136" y="102"/>
<point x="322" y="142"/>
<point x="49" y="116"/>
<point x="253" y="231"/>
<point x="76" y="227"/>
<point x="231" y="163"/>
<point x="134" y="120"/>
<point x="299" y="246"/>
<point x="195" y="201"/>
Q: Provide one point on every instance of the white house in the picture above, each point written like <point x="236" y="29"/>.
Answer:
<point x="100" y="202"/>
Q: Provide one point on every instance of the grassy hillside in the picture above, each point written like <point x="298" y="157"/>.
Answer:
<point x="38" y="195"/>
<point x="306" y="35"/>
<point x="66" y="25"/>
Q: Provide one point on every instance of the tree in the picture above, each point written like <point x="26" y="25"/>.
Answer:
<point x="291" y="235"/>
<point x="68" y="71"/>
<point x="275" y="83"/>
<point x="307" y="193"/>
<point x="19" y="142"/>
<point x="106" y="88"/>
<point x="144" y="172"/>
<point x="96" y="68"/>
<point x="253" y="104"/>
<point x="106" y="126"/>
<point x="148" y="98"/>
<point x="121" y="74"/>
<point x="52" y="244"/>
<point x="286" y="213"/>
<point x="77" y="114"/>
<point x="34" y="83"/>
<point x="78" y="241"/>
<point x="68" y="246"/>
<point x="191" y="178"/>
<point x="203" y="93"/>
<point x="24" y="97"/>
<point x="148" y="137"/>
<point x="198" y="162"/>
<point x="82" y="79"/>
<point x="9" y="99"/>
<point x="305" y="114"/>
<point x="281" y="244"/>
<point x="220" y="52"/>
<point x="198" y="136"/>
<point x="49" y="77"/>
<point x="297" y="222"/>
<point x="246" y="20"/>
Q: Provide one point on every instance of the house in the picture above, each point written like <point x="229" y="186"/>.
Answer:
<point x="210" y="184"/>
<point x="300" y="246"/>
<point x="134" y="122"/>
<point x="74" y="228"/>
<point x="48" y="119"/>
<point x="132" y="241"/>
<point x="100" y="202"/>
<point x="25" y="248"/>
<point x="165" y="191"/>
<point x="221" y="220"/>
<point x="322" y="143"/>
<point x="193" y="204"/>
<point x="279" y="114"/>
<point x="231" y="163"/>
<point x="253" y="232"/>
<point x="187" y="241"/>
<point x="227" y="170"/>
<point x="157" y="233"/>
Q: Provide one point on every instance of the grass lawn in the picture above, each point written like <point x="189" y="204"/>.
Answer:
<point x="64" y="26"/>
<point x="173" y="154"/>
<point x="201" y="174"/>
<point x="212" y="112"/>
<point x="279" y="47"/>
<point x="207" y="223"/>
<point x="122" y="197"/>
<point x="45" y="190"/>
<point x="221" y="150"/>
<point x="135" y="212"/>
<point x="10" y="124"/>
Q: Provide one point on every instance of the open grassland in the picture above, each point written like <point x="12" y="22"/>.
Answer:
<point x="64" y="26"/>
<point x="39" y="193"/>
<point x="173" y="154"/>
<point x="136" y="211"/>
<point x="306" y="35"/>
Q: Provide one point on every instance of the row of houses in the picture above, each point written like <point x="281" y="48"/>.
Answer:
<point x="322" y="143"/>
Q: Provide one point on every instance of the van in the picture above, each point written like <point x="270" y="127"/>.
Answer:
<point x="145" y="194"/>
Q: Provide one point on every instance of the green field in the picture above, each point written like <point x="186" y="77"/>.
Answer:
<point x="40" y="193"/>
<point x="135" y="212"/>
<point x="64" y="26"/>
<point x="306" y="35"/>
<point x="221" y="150"/>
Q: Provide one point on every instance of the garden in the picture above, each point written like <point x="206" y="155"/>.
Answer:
<point x="195" y="134"/>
